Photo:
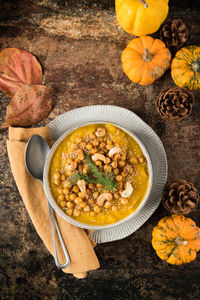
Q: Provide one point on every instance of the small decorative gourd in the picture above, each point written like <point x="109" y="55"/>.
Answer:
<point x="145" y="59"/>
<point x="141" y="17"/>
<point x="185" y="67"/>
<point x="176" y="239"/>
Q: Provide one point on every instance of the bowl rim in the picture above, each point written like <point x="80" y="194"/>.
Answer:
<point x="56" y="207"/>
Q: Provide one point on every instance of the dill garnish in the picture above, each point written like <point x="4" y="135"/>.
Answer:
<point x="98" y="177"/>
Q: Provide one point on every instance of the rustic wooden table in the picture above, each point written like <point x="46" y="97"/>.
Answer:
<point x="79" y="46"/>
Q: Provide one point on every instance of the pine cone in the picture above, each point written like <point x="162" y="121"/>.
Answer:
<point x="180" y="197"/>
<point x="174" y="103"/>
<point x="174" y="34"/>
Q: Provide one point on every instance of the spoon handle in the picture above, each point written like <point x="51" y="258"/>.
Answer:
<point x="52" y="217"/>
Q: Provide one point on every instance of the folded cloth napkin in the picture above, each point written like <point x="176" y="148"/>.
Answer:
<point x="77" y="240"/>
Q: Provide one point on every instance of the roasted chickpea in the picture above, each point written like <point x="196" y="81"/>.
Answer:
<point x="61" y="197"/>
<point x="60" y="191"/>
<point x="124" y="174"/>
<point x="114" y="208"/>
<point x="91" y="186"/>
<point x="83" y="145"/>
<point x="97" y="209"/>
<point x="76" y="212"/>
<point x="89" y="147"/>
<point x="82" y="157"/>
<point x="99" y="185"/>
<point x="79" y="151"/>
<point x="121" y="163"/>
<point x="107" y="168"/>
<point x="114" y="164"/>
<point x="70" y="204"/>
<point x="109" y="146"/>
<point x="92" y="214"/>
<point x="80" y="195"/>
<point x="57" y="182"/>
<point x="78" y="200"/>
<point x="116" y="195"/>
<point x="133" y="160"/>
<point x="100" y="139"/>
<point x="95" y="195"/>
<point x="120" y="185"/>
<point x="70" y="211"/>
<point x="77" y="159"/>
<point x="102" y="145"/>
<point x="123" y="157"/>
<point x="85" y="170"/>
<point x="86" y="208"/>
<point x="95" y="143"/>
<point x="142" y="159"/>
<point x="56" y="175"/>
<point x="94" y="150"/>
<point x="107" y="204"/>
<point x="82" y="205"/>
<point x="124" y="201"/>
<point x="109" y="142"/>
<point x="72" y="196"/>
<point x="91" y="201"/>
<point x="116" y="171"/>
<point x="63" y="177"/>
<point x="98" y="163"/>
<point x="117" y="156"/>
<point x="63" y="204"/>
<point x="119" y="178"/>
<point x="75" y="189"/>
<point x="67" y="184"/>
<point x="67" y="197"/>
<point x="92" y="136"/>
<point x="107" y="160"/>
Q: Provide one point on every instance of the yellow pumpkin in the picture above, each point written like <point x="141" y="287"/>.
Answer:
<point x="145" y="59"/>
<point x="185" y="67"/>
<point x="141" y="17"/>
<point x="176" y="239"/>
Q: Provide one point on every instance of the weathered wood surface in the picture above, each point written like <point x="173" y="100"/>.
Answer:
<point x="79" y="46"/>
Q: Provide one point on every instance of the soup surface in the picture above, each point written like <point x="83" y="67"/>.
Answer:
<point x="98" y="174"/>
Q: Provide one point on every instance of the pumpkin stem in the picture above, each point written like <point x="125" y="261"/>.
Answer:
<point x="195" y="67"/>
<point x="143" y="2"/>
<point x="147" y="57"/>
<point x="180" y="241"/>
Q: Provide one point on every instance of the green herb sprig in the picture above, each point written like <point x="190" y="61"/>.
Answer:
<point x="98" y="177"/>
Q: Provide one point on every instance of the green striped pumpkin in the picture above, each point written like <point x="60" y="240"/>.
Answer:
<point x="185" y="67"/>
<point x="176" y="239"/>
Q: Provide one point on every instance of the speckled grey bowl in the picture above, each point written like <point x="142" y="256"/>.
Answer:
<point x="74" y="221"/>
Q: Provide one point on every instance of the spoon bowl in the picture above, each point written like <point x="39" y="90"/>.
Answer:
<point x="35" y="156"/>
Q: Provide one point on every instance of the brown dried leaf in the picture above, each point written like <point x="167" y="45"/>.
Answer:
<point x="30" y="105"/>
<point x="18" y="67"/>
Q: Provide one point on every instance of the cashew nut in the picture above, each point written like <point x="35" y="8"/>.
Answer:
<point x="103" y="197"/>
<point x="100" y="132"/>
<point x="114" y="150"/>
<point x="72" y="166"/>
<point x="82" y="186"/>
<point x="98" y="156"/>
<point x="128" y="191"/>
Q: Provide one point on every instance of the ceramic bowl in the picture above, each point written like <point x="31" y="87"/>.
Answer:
<point x="74" y="221"/>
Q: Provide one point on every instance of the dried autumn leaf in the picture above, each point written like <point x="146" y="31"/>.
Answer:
<point x="30" y="105"/>
<point x="18" y="67"/>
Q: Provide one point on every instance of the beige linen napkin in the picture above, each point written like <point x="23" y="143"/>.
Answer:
<point x="77" y="241"/>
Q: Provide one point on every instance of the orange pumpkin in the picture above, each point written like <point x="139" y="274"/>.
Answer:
<point x="145" y="59"/>
<point x="176" y="239"/>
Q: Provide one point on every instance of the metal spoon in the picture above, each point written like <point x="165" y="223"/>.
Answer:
<point x="35" y="156"/>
